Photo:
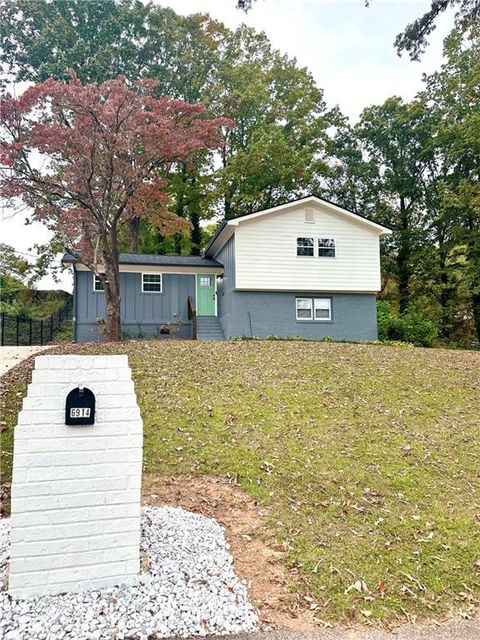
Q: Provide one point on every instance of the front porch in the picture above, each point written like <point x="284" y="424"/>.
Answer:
<point x="162" y="297"/>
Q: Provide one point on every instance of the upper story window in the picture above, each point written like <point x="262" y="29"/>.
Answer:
<point x="326" y="248"/>
<point x="305" y="246"/>
<point x="151" y="283"/>
<point x="316" y="247"/>
<point x="98" y="284"/>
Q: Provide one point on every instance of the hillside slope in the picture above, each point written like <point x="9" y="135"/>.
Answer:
<point x="367" y="458"/>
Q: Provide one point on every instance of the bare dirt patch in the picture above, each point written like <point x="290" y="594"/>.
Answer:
<point x="257" y="558"/>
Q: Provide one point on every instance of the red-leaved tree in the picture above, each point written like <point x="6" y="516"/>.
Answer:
<point x="87" y="157"/>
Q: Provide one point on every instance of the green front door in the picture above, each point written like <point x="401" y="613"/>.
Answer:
<point x="206" y="295"/>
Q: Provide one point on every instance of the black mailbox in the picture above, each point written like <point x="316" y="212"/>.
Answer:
<point x="80" y="408"/>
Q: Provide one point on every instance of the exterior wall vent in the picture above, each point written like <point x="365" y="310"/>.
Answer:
<point x="309" y="216"/>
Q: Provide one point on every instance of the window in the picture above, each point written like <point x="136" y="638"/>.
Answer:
<point x="323" y="308"/>
<point x="304" y="309"/>
<point x="320" y="247"/>
<point x="305" y="246"/>
<point x="205" y="281"/>
<point x="151" y="283"/>
<point x="326" y="248"/>
<point x="98" y="284"/>
<point x="313" y="309"/>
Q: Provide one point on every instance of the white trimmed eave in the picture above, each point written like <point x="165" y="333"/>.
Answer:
<point x="223" y="237"/>
<point x="158" y="268"/>
<point x="229" y="229"/>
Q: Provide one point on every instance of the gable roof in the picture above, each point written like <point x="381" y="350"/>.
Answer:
<point x="151" y="259"/>
<point x="381" y="229"/>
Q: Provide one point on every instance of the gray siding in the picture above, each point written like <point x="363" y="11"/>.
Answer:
<point x="141" y="313"/>
<point x="226" y="286"/>
<point x="261" y="314"/>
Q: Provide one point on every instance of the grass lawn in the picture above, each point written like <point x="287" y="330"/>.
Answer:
<point x="367" y="457"/>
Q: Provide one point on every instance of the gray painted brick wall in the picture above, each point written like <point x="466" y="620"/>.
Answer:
<point x="260" y="314"/>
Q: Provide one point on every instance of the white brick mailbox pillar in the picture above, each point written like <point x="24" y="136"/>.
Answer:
<point x="75" y="521"/>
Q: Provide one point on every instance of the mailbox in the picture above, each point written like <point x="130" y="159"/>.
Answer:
<point x="80" y="407"/>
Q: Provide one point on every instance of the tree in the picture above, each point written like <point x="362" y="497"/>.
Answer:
<point x="396" y="136"/>
<point x="274" y="154"/>
<point x="277" y="149"/>
<point x="353" y="180"/>
<point x="414" y="39"/>
<point x="453" y="96"/>
<point x="98" y="39"/>
<point x="103" y="145"/>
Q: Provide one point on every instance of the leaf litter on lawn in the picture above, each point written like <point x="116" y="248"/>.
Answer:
<point x="365" y="456"/>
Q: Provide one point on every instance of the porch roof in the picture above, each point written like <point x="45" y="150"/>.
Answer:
<point x="152" y="259"/>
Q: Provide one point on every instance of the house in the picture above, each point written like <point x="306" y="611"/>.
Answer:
<point x="305" y="268"/>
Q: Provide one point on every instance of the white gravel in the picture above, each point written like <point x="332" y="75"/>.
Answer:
<point x="190" y="589"/>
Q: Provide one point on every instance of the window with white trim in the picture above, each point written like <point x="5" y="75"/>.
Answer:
<point x="98" y="284"/>
<point x="322" y="308"/>
<point x="326" y="248"/>
<point x="151" y="283"/>
<point x="304" y="308"/>
<point x="305" y="247"/>
<point x="313" y="309"/>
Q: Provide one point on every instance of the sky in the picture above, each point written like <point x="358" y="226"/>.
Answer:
<point x="347" y="47"/>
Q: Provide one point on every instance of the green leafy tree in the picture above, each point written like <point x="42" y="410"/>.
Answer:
<point x="453" y="96"/>
<point x="414" y="39"/>
<point x="99" y="40"/>
<point x="396" y="136"/>
<point x="274" y="152"/>
<point x="277" y="147"/>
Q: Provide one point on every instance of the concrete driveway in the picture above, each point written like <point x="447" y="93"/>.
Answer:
<point x="11" y="356"/>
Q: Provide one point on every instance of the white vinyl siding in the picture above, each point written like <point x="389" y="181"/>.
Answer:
<point x="266" y="253"/>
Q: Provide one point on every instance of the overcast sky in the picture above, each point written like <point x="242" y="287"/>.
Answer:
<point x="347" y="47"/>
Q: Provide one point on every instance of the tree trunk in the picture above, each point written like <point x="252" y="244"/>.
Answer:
<point x="180" y="206"/>
<point x="403" y="258"/>
<point x="134" y="229"/>
<point x="446" y="289"/>
<point x="195" y="233"/>
<point x="113" y="328"/>
<point x="194" y="215"/>
<point x="473" y="257"/>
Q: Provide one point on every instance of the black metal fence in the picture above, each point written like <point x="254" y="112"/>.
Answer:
<point x="18" y="331"/>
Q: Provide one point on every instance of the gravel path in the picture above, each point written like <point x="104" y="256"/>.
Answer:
<point x="11" y="356"/>
<point x="190" y="589"/>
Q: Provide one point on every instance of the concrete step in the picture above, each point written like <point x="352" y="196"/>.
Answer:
<point x="209" y="328"/>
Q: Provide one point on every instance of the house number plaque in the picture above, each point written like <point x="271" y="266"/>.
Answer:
<point x="80" y="407"/>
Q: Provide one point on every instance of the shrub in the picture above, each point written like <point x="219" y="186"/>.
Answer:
<point x="412" y="326"/>
<point x="385" y="317"/>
